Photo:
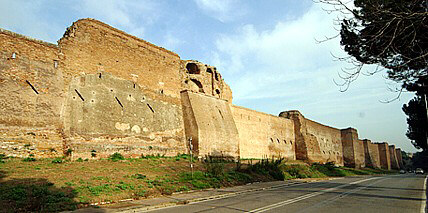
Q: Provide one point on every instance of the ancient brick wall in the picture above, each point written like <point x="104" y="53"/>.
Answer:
<point x="107" y="114"/>
<point x="315" y="142"/>
<point x="202" y="78"/>
<point x="371" y="153"/>
<point x="385" y="161"/>
<point x="399" y="158"/>
<point x="210" y="122"/>
<point x="262" y="135"/>
<point x="30" y="97"/>
<point x="91" y="46"/>
<point x="393" y="158"/>
<point x="353" y="148"/>
<point x="359" y="154"/>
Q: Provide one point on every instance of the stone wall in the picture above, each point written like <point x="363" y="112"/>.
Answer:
<point x="202" y="78"/>
<point x="371" y="152"/>
<point x="353" y="148"/>
<point x="91" y="46"/>
<point x="262" y="135"/>
<point x="393" y="158"/>
<point x="399" y="158"/>
<point x="385" y="161"/>
<point x="209" y="121"/>
<point x="30" y="97"/>
<point x="315" y="142"/>
<point x="107" y="114"/>
<point x="101" y="91"/>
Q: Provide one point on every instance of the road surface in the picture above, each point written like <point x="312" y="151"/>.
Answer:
<point x="393" y="193"/>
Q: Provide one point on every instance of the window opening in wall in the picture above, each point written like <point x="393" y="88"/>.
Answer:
<point x="285" y="141"/>
<point x="32" y="87"/>
<point x="277" y="140"/>
<point x="199" y="85"/>
<point x="99" y="75"/>
<point x="209" y="70"/>
<point x="291" y="142"/>
<point x="271" y="140"/>
<point x="217" y="91"/>
<point x="80" y="96"/>
<point x="134" y="86"/>
<point x="161" y="91"/>
<point x="150" y="107"/>
<point x="193" y="68"/>
<point x="118" y="101"/>
<point x="55" y="64"/>
<point x="13" y="55"/>
<point x="216" y="76"/>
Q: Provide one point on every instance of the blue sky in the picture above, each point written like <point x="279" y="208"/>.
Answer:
<point x="266" y="51"/>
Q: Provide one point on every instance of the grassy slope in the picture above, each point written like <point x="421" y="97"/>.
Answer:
<point x="42" y="185"/>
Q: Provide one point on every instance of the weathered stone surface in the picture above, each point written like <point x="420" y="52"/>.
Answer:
<point x="209" y="121"/>
<point x="371" y="152"/>
<point x="315" y="142"/>
<point x="384" y="154"/>
<point x="101" y="91"/>
<point x="264" y="136"/>
<point x="393" y="158"/>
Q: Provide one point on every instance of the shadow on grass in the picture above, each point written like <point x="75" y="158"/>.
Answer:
<point x="34" y="195"/>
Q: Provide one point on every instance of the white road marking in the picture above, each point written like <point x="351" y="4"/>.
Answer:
<point x="304" y="197"/>
<point x="424" y="196"/>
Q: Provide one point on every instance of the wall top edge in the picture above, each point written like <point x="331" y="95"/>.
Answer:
<point x="37" y="41"/>
<point x="97" y="22"/>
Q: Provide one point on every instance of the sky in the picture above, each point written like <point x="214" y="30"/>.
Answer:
<point x="267" y="51"/>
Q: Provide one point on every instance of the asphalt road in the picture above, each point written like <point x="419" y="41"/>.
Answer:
<point x="393" y="193"/>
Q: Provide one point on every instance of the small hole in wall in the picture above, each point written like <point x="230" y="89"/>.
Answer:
<point x="277" y="140"/>
<point x="74" y="97"/>
<point x="13" y="55"/>
<point x="134" y="86"/>
<point x="271" y="140"/>
<point x="111" y="90"/>
<point x="285" y="141"/>
<point x="150" y="107"/>
<point x="92" y="101"/>
<point x="291" y="142"/>
<point x="118" y="101"/>
<point x="32" y="87"/>
<point x="99" y="75"/>
<point x="161" y="91"/>
<point x="323" y="152"/>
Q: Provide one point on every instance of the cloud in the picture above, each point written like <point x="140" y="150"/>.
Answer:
<point x="222" y="10"/>
<point x="26" y="17"/>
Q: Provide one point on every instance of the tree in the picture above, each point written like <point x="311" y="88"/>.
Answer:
<point x="417" y="117"/>
<point x="392" y="34"/>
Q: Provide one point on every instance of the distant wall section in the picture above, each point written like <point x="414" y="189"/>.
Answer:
<point x="262" y="135"/>
<point x="315" y="142"/>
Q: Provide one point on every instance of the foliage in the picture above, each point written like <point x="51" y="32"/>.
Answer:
<point x="29" y="159"/>
<point x="388" y="33"/>
<point x="416" y="111"/>
<point x="116" y="157"/>
<point x="57" y="160"/>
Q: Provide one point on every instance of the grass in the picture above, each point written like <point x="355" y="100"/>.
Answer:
<point x="58" y="184"/>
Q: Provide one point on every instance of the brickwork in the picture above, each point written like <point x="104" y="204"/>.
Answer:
<point x="385" y="161"/>
<point x="262" y="135"/>
<point x="315" y="142"/>
<point x="399" y="157"/>
<point x="371" y="152"/>
<point x="393" y="158"/>
<point x="101" y="91"/>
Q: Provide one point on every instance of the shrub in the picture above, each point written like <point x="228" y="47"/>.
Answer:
<point x="116" y="157"/>
<point x="79" y="160"/>
<point x="57" y="160"/>
<point x="28" y="159"/>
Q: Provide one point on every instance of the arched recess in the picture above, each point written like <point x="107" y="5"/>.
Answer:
<point x="195" y="85"/>
<point x="193" y="68"/>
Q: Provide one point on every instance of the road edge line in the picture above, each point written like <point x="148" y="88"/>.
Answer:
<point x="424" y="196"/>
